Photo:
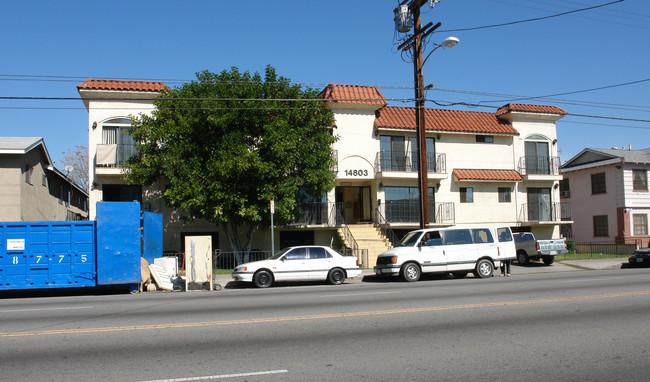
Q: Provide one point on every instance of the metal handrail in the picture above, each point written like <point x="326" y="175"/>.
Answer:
<point x="347" y="234"/>
<point x="385" y="229"/>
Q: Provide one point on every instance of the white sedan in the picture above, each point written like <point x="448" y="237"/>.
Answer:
<point x="299" y="264"/>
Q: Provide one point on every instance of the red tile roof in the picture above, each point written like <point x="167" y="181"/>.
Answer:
<point x="353" y="94"/>
<point x="488" y="175"/>
<point x="528" y="108"/>
<point x="444" y="120"/>
<point x="119" y="85"/>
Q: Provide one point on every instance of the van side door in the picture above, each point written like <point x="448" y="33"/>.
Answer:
<point x="459" y="249"/>
<point x="431" y="255"/>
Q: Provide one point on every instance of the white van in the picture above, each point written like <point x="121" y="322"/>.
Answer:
<point x="455" y="250"/>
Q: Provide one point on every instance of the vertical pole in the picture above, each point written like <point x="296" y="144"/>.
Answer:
<point x="420" y="126"/>
<point x="272" y="233"/>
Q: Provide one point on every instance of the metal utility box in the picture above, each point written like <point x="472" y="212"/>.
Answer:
<point x="47" y="255"/>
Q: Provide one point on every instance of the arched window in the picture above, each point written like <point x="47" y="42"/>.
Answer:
<point x="114" y="132"/>
<point x="538" y="159"/>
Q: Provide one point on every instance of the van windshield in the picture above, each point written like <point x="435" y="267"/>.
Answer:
<point x="410" y="240"/>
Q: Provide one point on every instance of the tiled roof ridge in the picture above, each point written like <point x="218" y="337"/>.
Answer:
<point x="462" y="121"/>
<point x="353" y="94"/>
<point x="487" y="174"/>
<point x="121" y="85"/>
<point x="530" y="108"/>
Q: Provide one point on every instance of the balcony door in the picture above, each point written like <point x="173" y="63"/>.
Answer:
<point x="114" y="132"/>
<point x="537" y="158"/>
<point x="431" y="154"/>
<point x="393" y="153"/>
<point x="539" y="204"/>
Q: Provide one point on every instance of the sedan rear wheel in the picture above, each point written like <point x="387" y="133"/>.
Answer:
<point x="336" y="276"/>
<point x="263" y="279"/>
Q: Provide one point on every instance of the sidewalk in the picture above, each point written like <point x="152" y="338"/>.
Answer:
<point x="559" y="266"/>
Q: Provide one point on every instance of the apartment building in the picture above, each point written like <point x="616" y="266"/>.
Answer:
<point x="608" y="189"/>
<point x="32" y="189"/>
<point x="483" y="168"/>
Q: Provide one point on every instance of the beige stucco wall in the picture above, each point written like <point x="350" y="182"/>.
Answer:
<point x="11" y="175"/>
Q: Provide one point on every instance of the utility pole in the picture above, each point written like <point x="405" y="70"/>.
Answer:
<point x="415" y="42"/>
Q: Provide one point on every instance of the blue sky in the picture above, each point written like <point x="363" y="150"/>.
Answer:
<point x="351" y="42"/>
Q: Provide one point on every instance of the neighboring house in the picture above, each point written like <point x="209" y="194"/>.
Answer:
<point x="32" y="189"/>
<point x="608" y="189"/>
<point x="483" y="168"/>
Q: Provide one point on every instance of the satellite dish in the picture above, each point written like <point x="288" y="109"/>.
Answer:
<point x="68" y="169"/>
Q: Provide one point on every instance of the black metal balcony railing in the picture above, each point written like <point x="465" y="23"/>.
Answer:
<point x="545" y="212"/>
<point x="532" y="165"/>
<point x="406" y="162"/>
<point x="312" y="213"/>
<point x="123" y="152"/>
<point x="408" y="211"/>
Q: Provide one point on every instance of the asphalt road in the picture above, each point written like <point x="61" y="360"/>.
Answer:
<point x="570" y="325"/>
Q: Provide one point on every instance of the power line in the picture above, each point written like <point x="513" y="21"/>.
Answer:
<point x="531" y="19"/>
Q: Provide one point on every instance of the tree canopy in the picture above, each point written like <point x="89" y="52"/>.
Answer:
<point x="229" y="143"/>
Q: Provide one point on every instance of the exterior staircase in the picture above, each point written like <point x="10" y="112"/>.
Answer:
<point x="370" y="238"/>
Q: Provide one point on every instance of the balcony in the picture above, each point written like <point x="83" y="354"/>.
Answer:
<point x="404" y="163"/>
<point x="540" y="168"/>
<point x="113" y="155"/>
<point x="407" y="212"/>
<point x="545" y="213"/>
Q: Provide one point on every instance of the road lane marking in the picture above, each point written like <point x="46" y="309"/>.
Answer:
<point x="316" y="316"/>
<point x="222" y="376"/>
<point x="45" y="309"/>
<point x="357" y="294"/>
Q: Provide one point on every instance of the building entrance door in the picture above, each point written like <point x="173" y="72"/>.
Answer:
<point x="354" y="203"/>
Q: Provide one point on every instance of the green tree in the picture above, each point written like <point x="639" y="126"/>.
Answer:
<point x="229" y="143"/>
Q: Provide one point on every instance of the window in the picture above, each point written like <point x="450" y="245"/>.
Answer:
<point x="598" y="185"/>
<point x="44" y="180"/>
<point x="318" y="253"/>
<point x="640" y="180"/>
<point x="565" y="190"/>
<point x="601" y="226"/>
<point x="115" y="132"/>
<point x="640" y="224"/>
<point x="402" y="204"/>
<point x="482" y="235"/>
<point x="432" y="239"/>
<point x="504" y="234"/>
<point x="504" y="195"/>
<point x="28" y="174"/>
<point x="539" y="204"/>
<point x="457" y="237"/>
<point x="297" y="254"/>
<point x="467" y="195"/>
<point x="485" y="138"/>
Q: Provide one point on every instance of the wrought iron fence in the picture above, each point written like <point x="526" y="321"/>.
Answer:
<point x="408" y="211"/>
<point x="598" y="250"/>
<point x="312" y="213"/>
<point x="545" y="212"/>
<point x="539" y="165"/>
<point x="405" y="162"/>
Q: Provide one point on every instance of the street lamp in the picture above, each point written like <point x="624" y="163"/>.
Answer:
<point x="449" y="42"/>
<point x="420" y="126"/>
<point x="403" y="15"/>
